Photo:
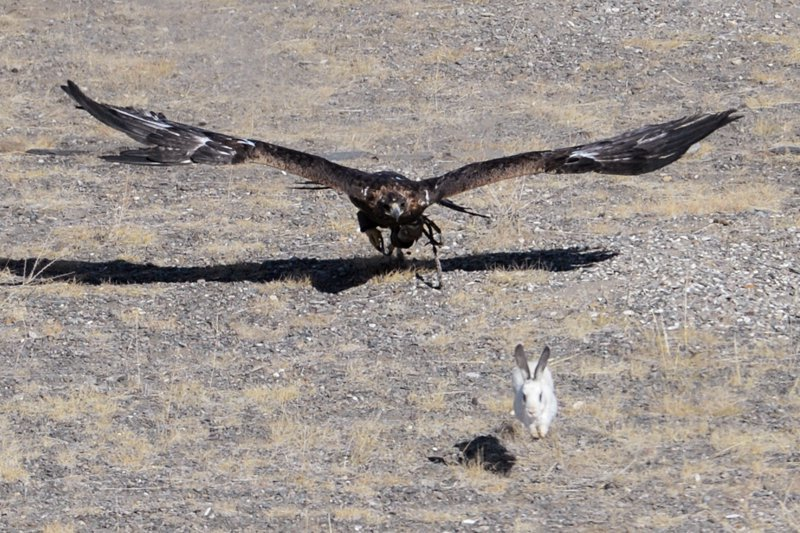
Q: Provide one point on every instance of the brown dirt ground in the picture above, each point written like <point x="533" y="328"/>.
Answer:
<point x="214" y="350"/>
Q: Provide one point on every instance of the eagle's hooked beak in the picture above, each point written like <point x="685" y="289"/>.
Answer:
<point x="395" y="210"/>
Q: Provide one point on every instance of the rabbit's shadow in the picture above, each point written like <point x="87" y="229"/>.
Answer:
<point x="325" y="275"/>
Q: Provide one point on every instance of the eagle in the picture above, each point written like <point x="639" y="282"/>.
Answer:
<point x="386" y="199"/>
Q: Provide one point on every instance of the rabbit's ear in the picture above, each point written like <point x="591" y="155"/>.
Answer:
<point x="522" y="361"/>
<point x="540" y="366"/>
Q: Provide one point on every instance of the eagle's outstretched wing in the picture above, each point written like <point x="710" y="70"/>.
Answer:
<point x="173" y="143"/>
<point x="635" y="152"/>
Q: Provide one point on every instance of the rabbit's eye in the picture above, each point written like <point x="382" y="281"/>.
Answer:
<point x="540" y="396"/>
<point x="524" y="397"/>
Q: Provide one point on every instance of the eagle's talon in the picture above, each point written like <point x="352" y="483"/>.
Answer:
<point x="431" y="231"/>
<point x="376" y="240"/>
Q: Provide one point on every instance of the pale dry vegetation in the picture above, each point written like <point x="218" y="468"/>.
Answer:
<point x="235" y="390"/>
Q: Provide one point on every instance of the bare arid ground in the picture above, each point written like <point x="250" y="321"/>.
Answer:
<point x="194" y="348"/>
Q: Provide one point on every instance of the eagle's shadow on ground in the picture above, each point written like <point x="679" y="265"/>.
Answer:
<point x="325" y="275"/>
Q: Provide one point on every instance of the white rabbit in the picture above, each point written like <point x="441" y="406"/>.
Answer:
<point x="535" y="402"/>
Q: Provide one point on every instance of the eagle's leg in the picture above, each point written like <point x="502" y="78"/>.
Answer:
<point x="376" y="239"/>
<point x="373" y="234"/>
<point x="434" y="235"/>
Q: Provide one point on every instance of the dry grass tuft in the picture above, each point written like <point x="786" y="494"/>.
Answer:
<point x="713" y="401"/>
<point x="12" y="459"/>
<point x="363" y="515"/>
<point x="431" y="400"/>
<point x="702" y="199"/>
<point x="129" y="236"/>
<point x="58" y="527"/>
<point x="365" y="441"/>
<point x="397" y="276"/>
<point x="295" y="436"/>
<point x="268" y="398"/>
<point x="21" y="143"/>
<point x="68" y="408"/>
<point x="138" y="74"/>
<point x="772" y="99"/>
<point x="581" y="324"/>
<point x="751" y="447"/>
<point x="130" y="450"/>
<point x="663" y="46"/>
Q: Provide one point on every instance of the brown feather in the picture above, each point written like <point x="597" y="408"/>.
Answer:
<point x="634" y="152"/>
<point x="316" y="169"/>
<point x="387" y="199"/>
<point x="174" y="143"/>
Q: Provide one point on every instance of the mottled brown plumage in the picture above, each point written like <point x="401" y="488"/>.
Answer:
<point x="387" y="199"/>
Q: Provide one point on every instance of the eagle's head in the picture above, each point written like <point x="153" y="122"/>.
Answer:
<point x="392" y="205"/>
